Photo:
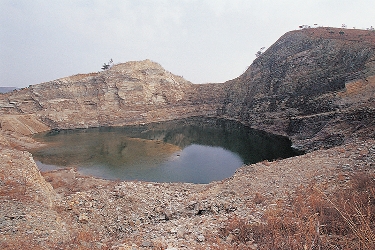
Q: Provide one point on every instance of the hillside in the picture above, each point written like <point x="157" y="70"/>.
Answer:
<point x="316" y="86"/>
<point x="128" y="93"/>
<point x="297" y="86"/>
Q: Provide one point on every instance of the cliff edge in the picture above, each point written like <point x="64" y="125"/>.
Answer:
<point x="316" y="86"/>
<point x="303" y="86"/>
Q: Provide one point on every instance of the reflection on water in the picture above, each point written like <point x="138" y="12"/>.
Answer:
<point x="197" y="150"/>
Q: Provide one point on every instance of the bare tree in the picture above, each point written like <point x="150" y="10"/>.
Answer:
<point x="107" y="65"/>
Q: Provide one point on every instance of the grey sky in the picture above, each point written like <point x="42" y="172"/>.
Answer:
<point x="201" y="40"/>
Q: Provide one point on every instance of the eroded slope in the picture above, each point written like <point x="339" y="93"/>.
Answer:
<point x="316" y="86"/>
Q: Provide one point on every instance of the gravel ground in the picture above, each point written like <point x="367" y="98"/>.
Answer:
<point x="63" y="209"/>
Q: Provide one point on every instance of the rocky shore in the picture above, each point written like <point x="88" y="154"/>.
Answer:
<point x="62" y="209"/>
<point x="316" y="86"/>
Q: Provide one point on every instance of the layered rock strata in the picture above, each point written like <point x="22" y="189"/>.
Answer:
<point x="307" y="86"/>
<point x="316" y="86"/>
<point x="129" y="93"/>
<point x="297" y="86"/>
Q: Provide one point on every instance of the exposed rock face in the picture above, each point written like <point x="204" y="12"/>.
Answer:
<point x="22" y="124"/>
<point x="317" y="86"/>
<point x="26" y="203"/>
<point x="132" y="92"/>
<point x="311" y="85"/>
<point x="293" y="88"/>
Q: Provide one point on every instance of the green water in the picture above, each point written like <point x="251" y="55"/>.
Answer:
<point x="197" y="150"/>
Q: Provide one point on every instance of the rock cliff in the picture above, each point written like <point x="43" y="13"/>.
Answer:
<point x="128" y="93"/>
<point x="296" y="87"/>
<point x="316" y="86"/>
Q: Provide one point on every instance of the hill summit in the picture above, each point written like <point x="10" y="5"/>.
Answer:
<point x="316" y="86"/>
<point x="127" y="93"/>
<point x="304" y="85"/>
<point x="308" y="85"/>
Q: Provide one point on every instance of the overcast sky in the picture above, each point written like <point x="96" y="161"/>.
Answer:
<point x="201" y="40"/>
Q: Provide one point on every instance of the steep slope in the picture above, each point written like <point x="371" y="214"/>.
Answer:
<point x="317" y="86"/>
<point x="22" y="124"/>
<point x="293" y="88"/>
<point x="132" y="92"/>
<point x="313" y="85"/>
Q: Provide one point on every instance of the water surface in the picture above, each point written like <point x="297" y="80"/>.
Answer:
<point x="197" y="150"/>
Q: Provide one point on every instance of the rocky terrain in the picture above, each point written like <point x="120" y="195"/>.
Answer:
<point x="316" y="86"/>
<point x="128" y="93"/>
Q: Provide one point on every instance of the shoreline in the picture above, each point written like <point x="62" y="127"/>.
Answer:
<point x="91" y="204"/>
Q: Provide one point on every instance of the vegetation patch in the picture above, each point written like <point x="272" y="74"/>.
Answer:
<point x="315" y="218"/>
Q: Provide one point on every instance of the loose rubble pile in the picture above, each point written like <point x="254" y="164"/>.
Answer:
<point x="69" y="210"/>
<point x="315" y="86"/>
